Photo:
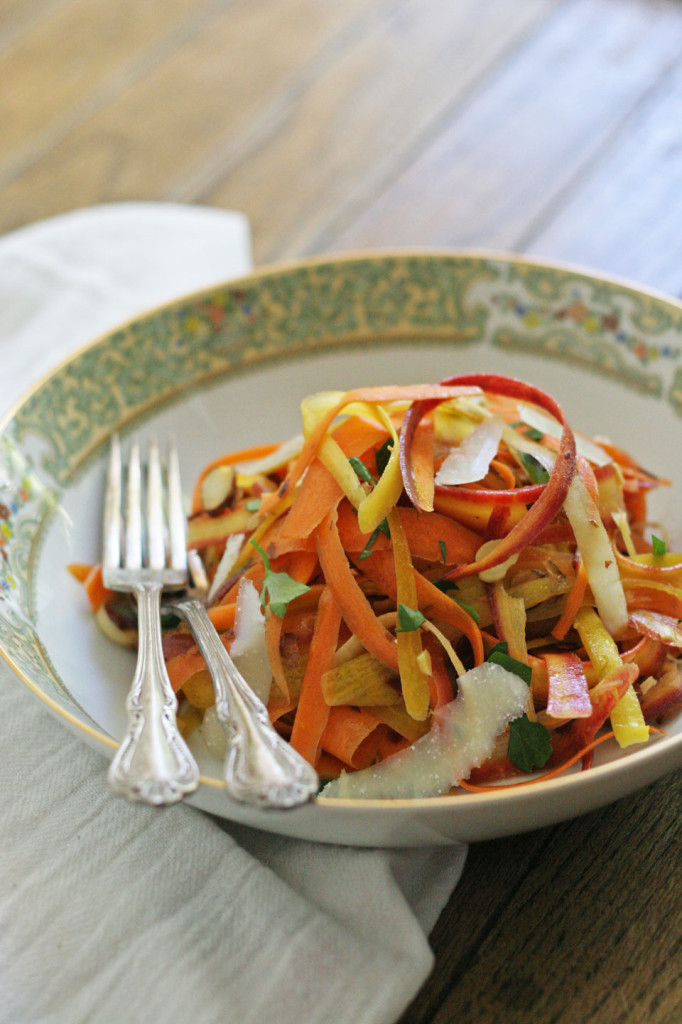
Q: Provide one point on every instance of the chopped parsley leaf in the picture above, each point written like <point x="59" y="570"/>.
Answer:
<point x="383" y="454"/>
<point x="529" y="745"/>
<point x="659" y="547"/>
<point x="409" y="619"/>
<point x="535" y="470"/>
<point x="367" y="550"/>
<point x="279" y="587"/>
<point x="519" y="668"/>
<point x="361" y="470"/>
<point x="445" y="585"/>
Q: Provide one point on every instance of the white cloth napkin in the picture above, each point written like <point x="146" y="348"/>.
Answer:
<point x="111" y="912"/>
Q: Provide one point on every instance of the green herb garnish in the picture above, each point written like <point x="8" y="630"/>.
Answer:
<point x="500" y="657"/>
<point x="409" y="619"/>
<point x="535" y="470"/>
<point x="382" y="456"/>
<point x="361" y="470"/>
<point x="531" y="433"/>
<point x="279" y="587"/>
<point x="253" y="504"/>
<point x="501" y="647"/>
<point x="367" y="550"/>
<point x="443" y="551"/>
<point x="445" y="585"/>
<point x="659" y="547"/>
<point x="529" y="745"/>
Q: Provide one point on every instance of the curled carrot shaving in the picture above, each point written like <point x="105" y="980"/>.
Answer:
<point x="505" y="472"/>
<point x="422" y="465"/>
<point x="273" y="636"/>
<point x="222" y="616"/>
<point x="318" y="494"/>
<point x="352" y="734"/>
<point x="432" y="602"/>
<point x="312" y="713"/>
<point x="91" y="578"/>
<point x="356" y="609"/>
<point x="390" y="393"/>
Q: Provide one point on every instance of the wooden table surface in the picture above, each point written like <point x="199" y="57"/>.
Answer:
<point x="548" y="127"/>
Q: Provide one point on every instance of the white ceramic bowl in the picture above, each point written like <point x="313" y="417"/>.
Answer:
<point x="226" y="369"/>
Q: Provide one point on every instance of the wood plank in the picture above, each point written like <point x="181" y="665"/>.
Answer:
<point x="224" y="85"/>
<point x="529" y="131"/>
<point x="623" y="216"/>
<point x="592" y="934"/>
<point x="349" y="131"/>
<point x="493" y="873"/>
<point x="68" y="62"/>
<point x="19" y="16"/>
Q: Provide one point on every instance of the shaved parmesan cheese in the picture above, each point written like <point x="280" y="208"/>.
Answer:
<point x="249" y="649"/>
<point x="517" y="442"/>
<point x="470" y="460"/>
<point x="548" y="425"/>
<point x="462" y="736"/>
<point x="232" y="550"/>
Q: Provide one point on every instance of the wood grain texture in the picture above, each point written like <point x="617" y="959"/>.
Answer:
<point x="220" y="86"/>
<point x="579" y="924"/>
<point x="624" y="213"/>
<point x="56" y="69"/>
<point x="17" y="17"/>
<point x="514" y="147"/>
<point x="343" y="138"/>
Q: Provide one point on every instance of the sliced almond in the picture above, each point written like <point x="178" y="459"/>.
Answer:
<point x="217" y="488"/>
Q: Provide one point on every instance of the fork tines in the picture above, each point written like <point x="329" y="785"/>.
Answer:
<point x="155" y="541"/>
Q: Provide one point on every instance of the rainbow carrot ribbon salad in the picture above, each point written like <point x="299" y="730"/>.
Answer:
<point x="433" y="586"/>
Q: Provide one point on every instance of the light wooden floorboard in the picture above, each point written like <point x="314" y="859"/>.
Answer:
<point x="530" y="129"/>
<point x="347" y="135"/>
<point x="222" y="81"/>
<point x="63" y="70"/>
<point x="625" y="214"/>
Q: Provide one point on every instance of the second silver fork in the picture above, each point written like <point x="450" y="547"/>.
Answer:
<point x="153" y="763"/>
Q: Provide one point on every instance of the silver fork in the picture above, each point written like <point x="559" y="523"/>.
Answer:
<point x="260" y="768"/>
<point x="153" y="763"/>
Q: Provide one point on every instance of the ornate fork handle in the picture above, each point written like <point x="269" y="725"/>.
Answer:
<point x="153" y="763"/>
<point x="260" y="768"/>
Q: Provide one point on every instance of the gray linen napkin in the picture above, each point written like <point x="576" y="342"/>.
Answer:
<point x="111" y="912"/>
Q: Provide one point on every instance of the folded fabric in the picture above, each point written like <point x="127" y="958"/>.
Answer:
<point x="111" y="912"/>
